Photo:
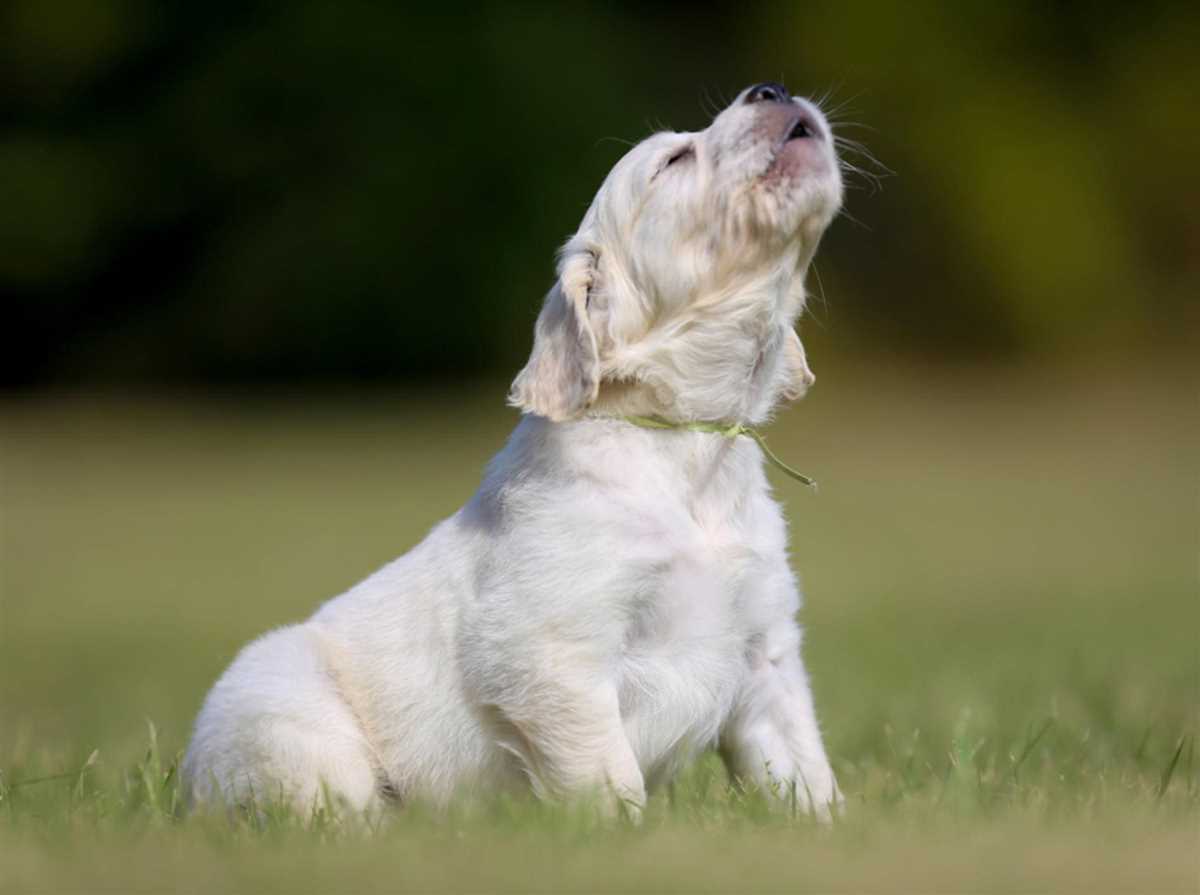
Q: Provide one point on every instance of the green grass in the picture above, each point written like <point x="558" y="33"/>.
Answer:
<point x="1002" y="618"/>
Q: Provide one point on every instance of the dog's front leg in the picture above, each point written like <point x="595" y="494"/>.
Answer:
<point x="570" y="736"/>
<point x="771" y="740"/>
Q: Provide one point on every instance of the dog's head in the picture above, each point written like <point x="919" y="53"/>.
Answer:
<point x="679" y="292"/>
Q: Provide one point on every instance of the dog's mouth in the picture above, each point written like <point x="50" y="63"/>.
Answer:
<point x="801" y="130"/>
<point x="797" y="149"/>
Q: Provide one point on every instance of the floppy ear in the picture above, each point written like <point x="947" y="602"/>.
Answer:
<point x="562" y="376"/>
<point x="799" y="377"/>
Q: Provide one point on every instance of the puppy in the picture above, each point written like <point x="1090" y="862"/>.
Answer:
<point x="616" y="596"/>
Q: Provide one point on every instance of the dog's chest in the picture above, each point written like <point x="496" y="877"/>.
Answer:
<point x="686" y="651"/>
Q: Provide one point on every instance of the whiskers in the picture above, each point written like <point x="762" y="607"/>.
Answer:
<point x="629" y="144"/>
<point x="710" y="105"/>
<point x="809" y="309"/>
<point x="860" y="168"/>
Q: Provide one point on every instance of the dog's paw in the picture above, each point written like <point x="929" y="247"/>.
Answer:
<point x="814" y="793"/>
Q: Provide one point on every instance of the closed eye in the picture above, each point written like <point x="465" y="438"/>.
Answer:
<point x="680" y="155"/>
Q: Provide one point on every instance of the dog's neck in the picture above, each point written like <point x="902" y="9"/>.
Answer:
<point x="721" y="361"/>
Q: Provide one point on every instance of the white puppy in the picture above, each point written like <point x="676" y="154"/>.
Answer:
<point x="614" y="598"/>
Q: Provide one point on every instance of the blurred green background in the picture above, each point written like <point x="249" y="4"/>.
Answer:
<point x="268" y="269"/>
<point x="264" y="191"/>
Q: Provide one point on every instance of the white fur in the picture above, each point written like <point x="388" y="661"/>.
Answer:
<point x="613" y="599"/>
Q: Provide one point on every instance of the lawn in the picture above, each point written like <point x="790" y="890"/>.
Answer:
<point x="1002" y="622"/>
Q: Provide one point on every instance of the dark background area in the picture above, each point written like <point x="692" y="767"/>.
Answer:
<point x="239" y="192"/>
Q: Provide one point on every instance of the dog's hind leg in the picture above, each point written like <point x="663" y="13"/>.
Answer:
<point x="276" y="729"/>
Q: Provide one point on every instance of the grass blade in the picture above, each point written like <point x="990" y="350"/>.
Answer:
<point x="1029" y="747"/>
<point x="1170" y="770"/>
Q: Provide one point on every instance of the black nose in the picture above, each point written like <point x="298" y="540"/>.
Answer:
<point x="768" y="92"/>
